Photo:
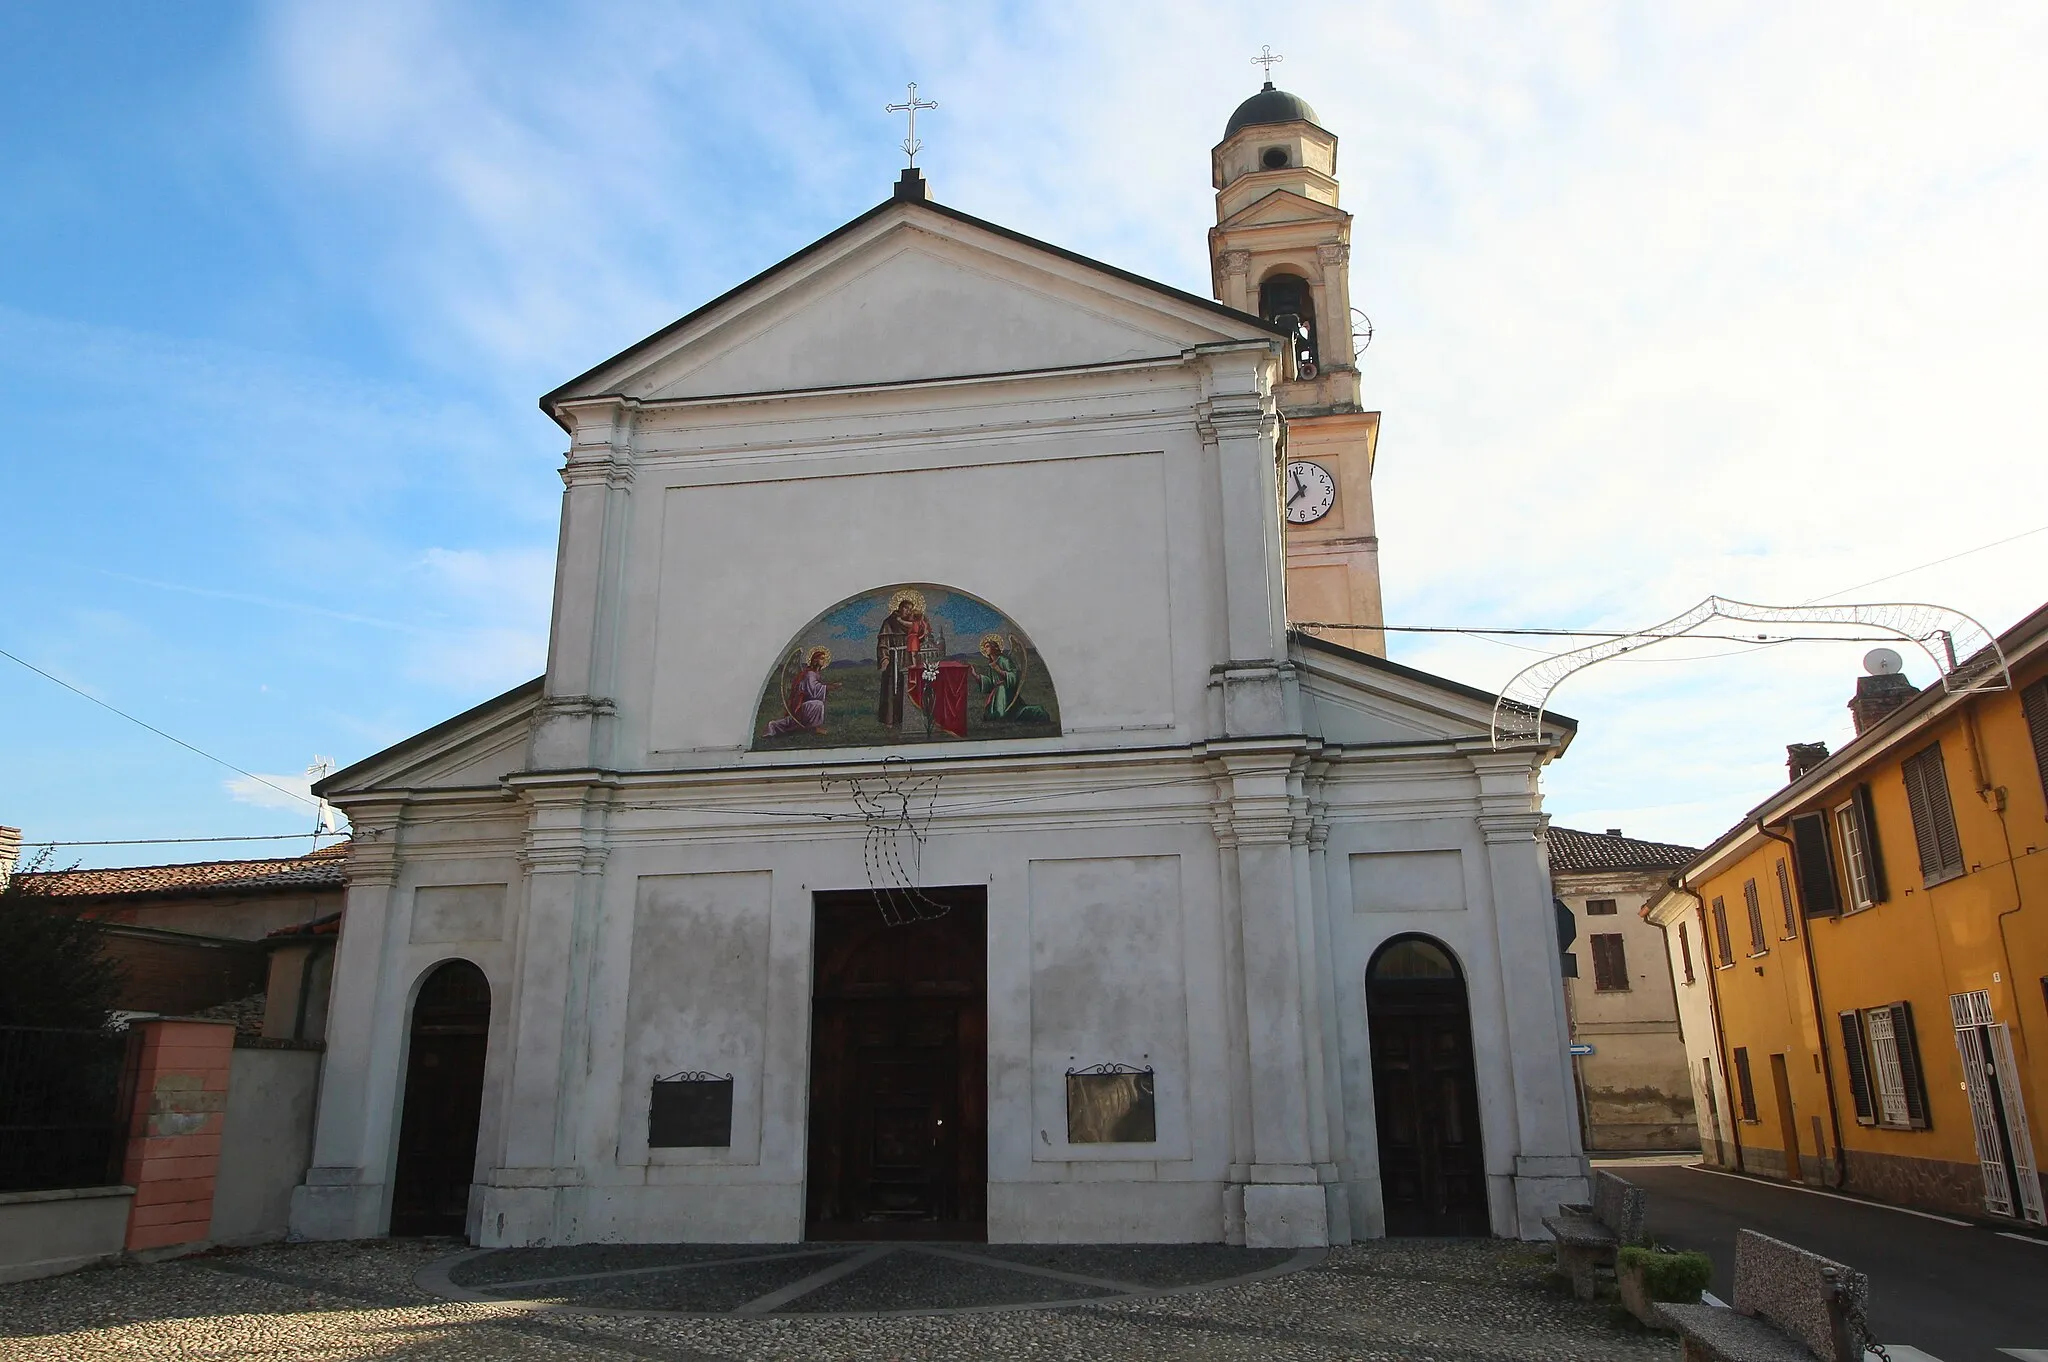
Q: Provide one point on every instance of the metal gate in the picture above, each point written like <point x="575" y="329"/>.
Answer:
<point x="2005" y="1145"/>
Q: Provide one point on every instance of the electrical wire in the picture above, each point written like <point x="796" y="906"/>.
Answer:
<point x="182" y="841"/>
<point x="199" y="751"/>
<point x="2023" y="534"/>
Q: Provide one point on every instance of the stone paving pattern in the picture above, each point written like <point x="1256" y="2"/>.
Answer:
<point x="1425" y="1301"/>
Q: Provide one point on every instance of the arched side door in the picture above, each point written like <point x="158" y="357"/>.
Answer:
<point x="444" y="1097"/>
<point x="1432" y="1164"/>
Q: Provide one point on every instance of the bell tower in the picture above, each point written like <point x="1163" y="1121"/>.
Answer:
<point x="1281" y="248"/>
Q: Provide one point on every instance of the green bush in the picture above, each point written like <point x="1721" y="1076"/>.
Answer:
<point x="1667" y="1276"/>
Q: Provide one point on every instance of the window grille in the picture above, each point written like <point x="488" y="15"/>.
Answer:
<point x="1893" y="1060"/>
<point x="1685" y="952"/>
<point x="1754" y="903"/>
<point x="1745" y="1090"/>
<point x="1726" y="947"/>
<point x="1934" y="816"/>
<point x="1610" y="963"/>
<point x="1785" y="900"/>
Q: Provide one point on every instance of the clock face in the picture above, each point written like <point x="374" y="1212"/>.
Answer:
<point x="1309" y="491"/>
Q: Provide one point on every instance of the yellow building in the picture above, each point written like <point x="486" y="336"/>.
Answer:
<point x="1862" y="962"/>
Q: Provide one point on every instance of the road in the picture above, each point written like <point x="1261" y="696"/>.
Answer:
<point x="1953" y="1291"/>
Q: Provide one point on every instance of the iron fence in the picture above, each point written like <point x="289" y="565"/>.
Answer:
<point x="64" y="1100"/>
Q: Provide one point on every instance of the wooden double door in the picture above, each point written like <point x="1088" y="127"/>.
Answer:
<point x="899" y="1069"/>
<point x="1432" y="1164"/>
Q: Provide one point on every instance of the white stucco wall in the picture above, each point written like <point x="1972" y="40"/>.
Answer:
<point x="1192" y="876"/>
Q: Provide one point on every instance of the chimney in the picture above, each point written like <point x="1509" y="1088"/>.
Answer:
<point x="1877" y="696"/>
<point x="1614" y="832"/>
<point x="10" y="853"/>
<point x="1801" y="757"/>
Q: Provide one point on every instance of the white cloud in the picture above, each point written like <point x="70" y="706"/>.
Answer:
<point x="272" y="791"/>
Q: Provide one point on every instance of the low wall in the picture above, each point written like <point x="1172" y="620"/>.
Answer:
<point x="44" y="1233"/>
<point x="266" y="1140"/>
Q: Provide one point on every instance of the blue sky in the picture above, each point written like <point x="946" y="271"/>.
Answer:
<point x="1739" y="299"/>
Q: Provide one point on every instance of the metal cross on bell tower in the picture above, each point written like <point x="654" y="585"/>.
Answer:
<point x="1267" y="58"/>
<point x="911" y="146"/>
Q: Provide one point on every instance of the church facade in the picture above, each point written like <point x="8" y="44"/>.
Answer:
<point x="929" y="824"/>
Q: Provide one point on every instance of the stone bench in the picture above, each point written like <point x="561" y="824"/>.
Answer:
<point x="1790" y="1306"/>
<point x="1588" y="1236"/>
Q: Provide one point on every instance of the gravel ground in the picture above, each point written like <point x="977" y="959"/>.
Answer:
<point x="1441" y="1301"/>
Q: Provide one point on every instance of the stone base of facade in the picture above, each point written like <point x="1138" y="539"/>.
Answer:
<point x="1925" y="1184"/>
<point x="1634" y="1137"/>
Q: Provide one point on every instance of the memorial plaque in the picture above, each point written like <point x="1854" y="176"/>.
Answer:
<point x="690" y="1111"/>
<point x="1111" y="1104"/>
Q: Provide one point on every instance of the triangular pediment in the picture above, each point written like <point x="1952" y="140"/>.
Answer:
<point x="912" y="292"/>
<point x="476" y="748"/>
<point x="1361" y="700"/>
<point x="1281" y="207"/>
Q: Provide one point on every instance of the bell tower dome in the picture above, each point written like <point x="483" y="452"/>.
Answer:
<point x="1281" y="248"/>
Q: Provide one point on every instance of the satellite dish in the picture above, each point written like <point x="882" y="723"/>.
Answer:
<point x="1882" y="662"/>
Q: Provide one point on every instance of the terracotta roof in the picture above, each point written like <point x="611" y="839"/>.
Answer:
<point x="319" y="926"/>
<point x="1571" y="849"/>
<point x="323" y="869"/>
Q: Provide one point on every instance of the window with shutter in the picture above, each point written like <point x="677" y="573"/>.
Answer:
<point x="1885" y="1070"/>
<point x="1727" y="948"/>
<point x="1745" y="1090"/>
<point x="1934" y="817"/>
<point x="1755" y="904"/>
<point x="1610" y="963"/>
<point x="1814" y="865"/>
<point x="1855" y="856"/>
<point x="1859" y="1068"/>
<point x="1910" y="1075"/>
<point x="2034" y="703"/>
<point x="1866" y="815"/>
<point x="1785" y="900"/>
<point x="1685" y="953"/>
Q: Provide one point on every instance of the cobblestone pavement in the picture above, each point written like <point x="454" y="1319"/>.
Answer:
<point x="1430" y="1301"/>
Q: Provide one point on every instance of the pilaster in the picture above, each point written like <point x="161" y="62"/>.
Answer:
<point x="1237" y="419"/>
<point x="344" y="1193"/>
<point x="1550" y="1164"/>
<point x="564" y="859"/>
<point x="1262" y="815"/>
<point x="573" y="727"/>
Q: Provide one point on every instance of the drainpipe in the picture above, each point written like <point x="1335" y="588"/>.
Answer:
<point x="1994" y="797"/>
<point x="1677" y="882"/>
<point x="1820" y="1023"/>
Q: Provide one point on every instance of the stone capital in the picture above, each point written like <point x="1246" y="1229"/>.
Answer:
<point x="1333" y="253"/>
<point x="1234" y="262"/>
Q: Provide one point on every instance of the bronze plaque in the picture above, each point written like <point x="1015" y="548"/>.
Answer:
<point x="1111" y="1107"/>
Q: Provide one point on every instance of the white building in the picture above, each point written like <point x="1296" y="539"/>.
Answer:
<point x="1634" y="1092"/>
<point x="928" y="823"/>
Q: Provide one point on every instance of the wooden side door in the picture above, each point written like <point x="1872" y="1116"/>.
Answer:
<point x="1432" y="1171"/>
<point x="444" y="1094"/>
